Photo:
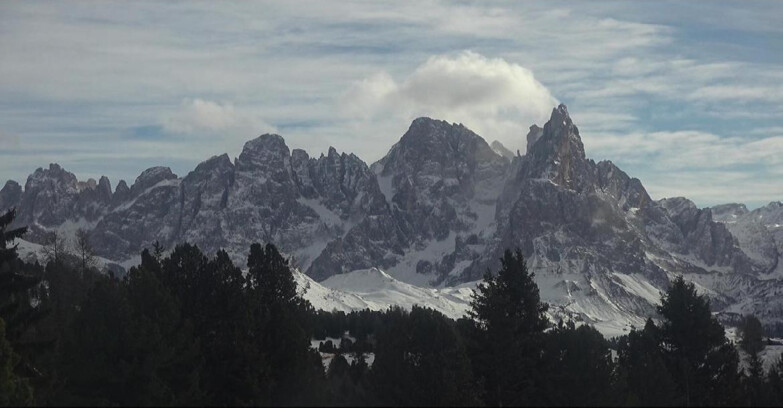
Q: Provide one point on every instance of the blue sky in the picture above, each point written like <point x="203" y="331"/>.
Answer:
<point x="686" y="96"/>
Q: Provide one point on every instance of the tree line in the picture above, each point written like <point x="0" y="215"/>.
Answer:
<point x="187" y="329"/>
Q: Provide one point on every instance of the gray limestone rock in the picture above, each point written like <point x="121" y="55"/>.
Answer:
<point x="439" y="208"/>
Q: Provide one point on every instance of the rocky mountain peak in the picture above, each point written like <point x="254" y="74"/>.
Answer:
<point x="268" y="142"/>
<point x="10" y="194"/>
<point x="533" y="135"/>
<point x="214" y="163"/>
<point x="122" y="191"/>
<point x="50" y="197"/>
<point x="427" y="131"/>
<point x="90" y="184"/>
<point x="151" y="177"/>
<point x="500" y="149"/>
<point x="211" y="177"/>
<point x="557" y="153"/>
<point x="728" y="212"/>
<point x="560" y="116"/>
<point x="104" y="186"/>
<point x="99" y="191"/>
<point x="53" y="176"/>
<point x="299" y="157"/>
<point x="629" y="192"/>
<point x="677" y="205"/>
<point x="438" y="179"/>
<point x="770" y="214"/>
<point x="267" y="154"/>
<point x="431" y="143"/>
<point x="559" y="136"/>
<point x="440" y="207"/>
<point x="424" y="122"/>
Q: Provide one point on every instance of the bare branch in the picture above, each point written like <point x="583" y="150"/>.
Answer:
<point x="55" y="247"/>
<point x="84" y="250"/>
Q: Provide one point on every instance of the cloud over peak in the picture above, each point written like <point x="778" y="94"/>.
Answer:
<point x="492" y="96"/>
<point x="198" y="115"/>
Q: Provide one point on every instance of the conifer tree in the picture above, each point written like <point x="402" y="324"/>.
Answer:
<point x="13" y="389"/>
<point x="16" y="299"/>
<point x="577" y="367"/>
<point x="168" y="362"/>
<point x="296" y="372"/>
<point x="271" y="277"/>
<point x="511" y="320"/>
<point x="752" y="343"/>
<point x="14" y="285"/>
<point x="130" y="345"/>
<point x="421" y="361"/>
<point x="341" y="384"/>
<point x="96" y="358"/>
<point x="642" y="377"/>
<point x="775" y="383"/>
<point x="751" y="335"/>
<point x="703" y="363"/>
<point x="65" y="289"/>
<point x="8" y="236"/>
<point x="235" y="371"/>
<point x="183" y="273"/>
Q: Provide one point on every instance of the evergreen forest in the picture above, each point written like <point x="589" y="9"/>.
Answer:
<point x="188" y="328"/>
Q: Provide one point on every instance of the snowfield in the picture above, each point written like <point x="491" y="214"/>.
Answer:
<point x="376" y="290"/>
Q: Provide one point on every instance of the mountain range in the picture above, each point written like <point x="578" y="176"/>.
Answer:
<point x="435" y="212"/>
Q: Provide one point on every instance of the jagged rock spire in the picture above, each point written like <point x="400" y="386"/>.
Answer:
<point x="557" y="153"/>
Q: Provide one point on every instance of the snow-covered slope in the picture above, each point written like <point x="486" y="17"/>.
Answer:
<point x="32" y="252"/>
<point x="375" y="290"/>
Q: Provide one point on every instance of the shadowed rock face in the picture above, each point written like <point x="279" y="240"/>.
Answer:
<point x="709" y="241"/>
<point x="50" y="196"/>
<point x="533" y="135"/>
<point x="436" y="170"/>
<point x="572" y="217"/>
<point x="434" y="178"/>
<point x="759" y="233"/>
<point x="498" y="148"/>
<point x="10" y="194"/>
<point x="439" y="208"/>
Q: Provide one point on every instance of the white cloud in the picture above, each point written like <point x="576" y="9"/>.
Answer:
<point x="198" y="115"/>
<point x="495" y="98"/>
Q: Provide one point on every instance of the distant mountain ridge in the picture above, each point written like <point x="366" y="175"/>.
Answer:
<point x="438" y="209"/>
